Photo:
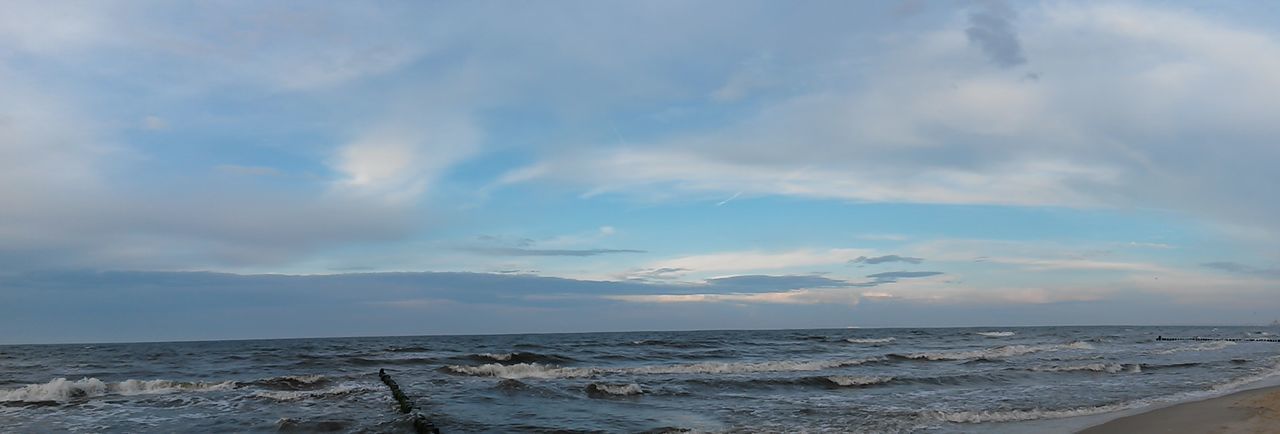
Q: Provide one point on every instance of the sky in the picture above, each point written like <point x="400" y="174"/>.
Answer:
<point x="238" y="169"/>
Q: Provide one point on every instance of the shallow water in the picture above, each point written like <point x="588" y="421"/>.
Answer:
<point x="843" y="380"/>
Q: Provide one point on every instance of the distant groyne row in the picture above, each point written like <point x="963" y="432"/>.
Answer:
<point x="1200" y="338"/>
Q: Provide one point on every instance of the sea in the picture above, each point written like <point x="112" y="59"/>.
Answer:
<point x="883" y="380"/>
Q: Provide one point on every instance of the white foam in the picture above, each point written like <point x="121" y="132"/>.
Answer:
<point x="1024" y="415"/>
<point x="61" y="389"/>
<point x="280" y="395"/>
<point x="501" y="357"/>
<point x="617" y="389"/>
<point x="870" y="340"/>
<point x="1203" y="346"/>
<point x="1094" y="367"/>
<point x="536" y="370"/>
<point x="996" y="334"/>
<point x="848" y="381"/>
<point x="745" y="367"/>
<point x="1269" y="373"/>
<point x="999" y="352"/>
<point x="523" y="370"/>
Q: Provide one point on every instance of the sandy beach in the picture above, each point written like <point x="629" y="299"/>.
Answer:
<point x="1251" y="411"/>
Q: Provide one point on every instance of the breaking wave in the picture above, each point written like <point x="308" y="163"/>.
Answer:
<point x="1111" y="368"/>
<point x="994" y="353"/>
<point x="856" y="381"/>
<point x="519" y="357"/>
<point x="996" y="334"/>
<point x="292" y="382"/>
<point x="1205" y="346"/>
<point x="603" y="389"/>
<point x="61" y="389"/>
<point x="1028" y="414"/>
<point x="296" y="395"/>
<point x="870" y="340"/>
<point x="536" y="370"/>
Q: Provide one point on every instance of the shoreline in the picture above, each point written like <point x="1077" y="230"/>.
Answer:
<point x="1248" y="411"/>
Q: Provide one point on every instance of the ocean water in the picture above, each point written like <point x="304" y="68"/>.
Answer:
<point x="837" y="380"/>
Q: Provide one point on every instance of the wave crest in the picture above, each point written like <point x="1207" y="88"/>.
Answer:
<point x="297" y="395"/>
<point x="61" y="389"/>
<point x="603" y="389"/>
<point x="996" y="352"/>
<point x="995" y="334"/>
<point x="870" y="340"/>
<point x="520" y="357"/>
<point x="1111" y="368"/>
<point x="536" y="370"/>
<point x="292" y="382"/>
<point x="856" y="381"/>
<point x="1025" y="415"/>
<point x="1204" y="346"/>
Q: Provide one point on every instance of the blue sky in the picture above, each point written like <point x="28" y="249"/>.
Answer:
<point x="248" y="169"/>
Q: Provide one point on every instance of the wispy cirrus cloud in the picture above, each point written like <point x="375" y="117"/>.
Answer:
<point x="518" y="251"/>
<point x="885" y="259"/>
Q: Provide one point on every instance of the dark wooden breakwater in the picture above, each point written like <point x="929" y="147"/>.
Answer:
<point x="420" y="423"/>
<point x="1198" y="338"/>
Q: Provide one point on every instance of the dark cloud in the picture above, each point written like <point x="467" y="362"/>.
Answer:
<point x="1236" y="267"/>
<point x="893" y="276"/>
<point x="518" y="251"/>
<point x="991" y="28"/>
<point x="885" y="259"/>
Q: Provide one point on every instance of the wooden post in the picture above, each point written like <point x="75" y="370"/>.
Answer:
<point x="420" y="423"/>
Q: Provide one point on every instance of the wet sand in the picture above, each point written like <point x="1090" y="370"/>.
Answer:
<point x="1251" y="411"/>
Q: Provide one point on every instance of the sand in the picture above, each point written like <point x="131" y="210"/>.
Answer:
<point x="1251" y="411"/>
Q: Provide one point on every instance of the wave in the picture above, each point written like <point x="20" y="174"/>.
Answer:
<point x="1034" y="414"/>
<point x="1206" y="346"/>
<point x="1111" y="368"/>
<point x="61" y="389"/>
<point x="362" y="361"/>
<point x="676" y="344"/>
<point x="1027" y="414"/>
<point x="536" y="370"/>
<point x="297" y="395"/>
<point x="1267" y="373"/>
<point x="511" y="385"/>
<point x="995" y="334"/>
<point x="603" y="389"/>
<point x="869" y="340"/>
<point x="520" y="357"/>
<point x="994" y="353"/>
<point x="408" y="349"/>
<point x="292" y="382"/>
<point x="856" y="381"/>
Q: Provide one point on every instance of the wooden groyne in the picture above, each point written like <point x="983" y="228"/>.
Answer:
<point x="1199" y="338"/>
<point x="420" y="423"/>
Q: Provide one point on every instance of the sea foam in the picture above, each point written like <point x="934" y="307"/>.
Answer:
<point x="536" y="370"/>
<point x="996" y="334"/>
<point x="1203" y="346"/>
<point x="1092" y="367"/>
<point x="614" y="389"/>
<point x="997" y="352"/>
<point x="61" y="389"/>
<point x="870" y="340"/>
<point x="855" y="381"/>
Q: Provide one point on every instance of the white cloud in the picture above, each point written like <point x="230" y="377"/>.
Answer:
<point x="755" y="260"/>
<point x="1116" y="106"/>
<point x="399" y="162"/>
<point x="796" y="296"/>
